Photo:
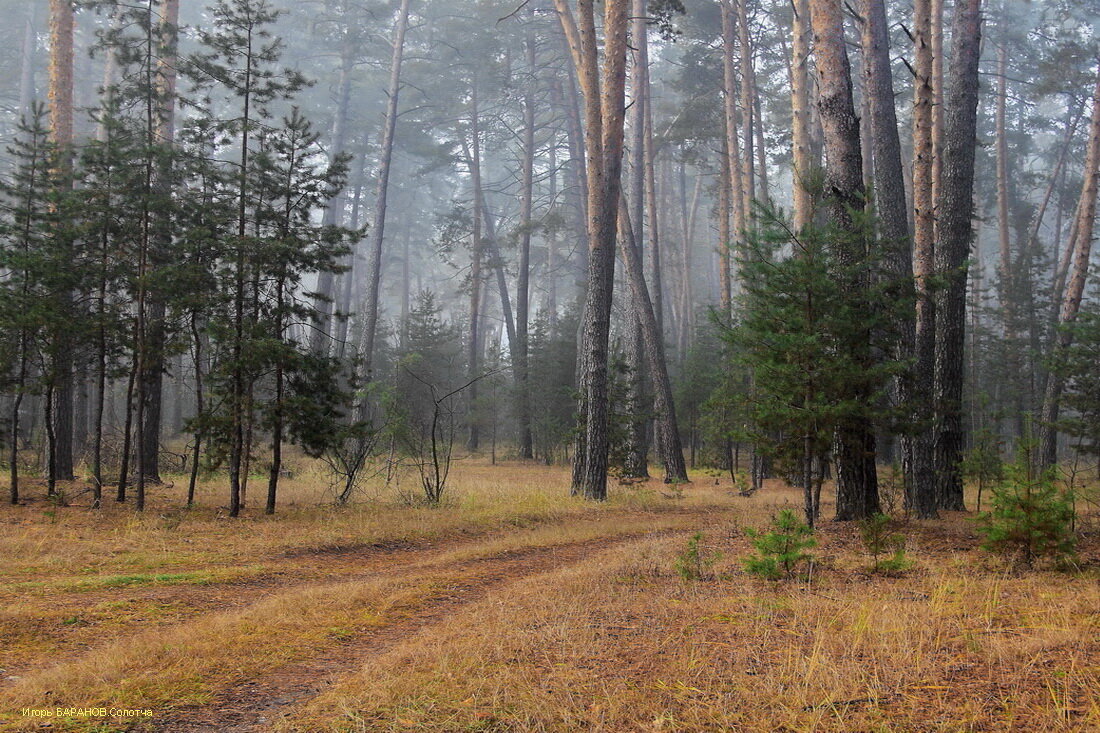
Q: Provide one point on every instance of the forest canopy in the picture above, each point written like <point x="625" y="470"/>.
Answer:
<point x="809" y="240"/>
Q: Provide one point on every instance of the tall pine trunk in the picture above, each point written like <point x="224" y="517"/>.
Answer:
<point x="165" y="134"/>
<point x="854" y="444"/>
<point x="604" y="106"/>
<point x="667" y="432"/>
<point x="637" y="449"/>
<point x="473" y="349"/>
<point x="61" y="126"/>
<point x="920" y="471"/>
<point x="523" y="281"/>
<point x="889" y="190"/>
<point x="739" y="193"/>
<point x="725" y="237"/>
<point x="319" y="339"/>
<point x="378" y="227"/>
<point x="802" y="147"/>
<point x="953" y="237"/>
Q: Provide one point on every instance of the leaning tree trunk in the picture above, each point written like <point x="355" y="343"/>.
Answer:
<point x="1075" y="285"/>
<point x="604" y="113"/>
<point x="854" y="445"/>
<point x="668" y="432"/>
<point x="374" y="275"/>
<point x="953" y="235"/>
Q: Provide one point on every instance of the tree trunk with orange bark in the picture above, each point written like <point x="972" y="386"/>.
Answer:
<point x="603" y="87"/>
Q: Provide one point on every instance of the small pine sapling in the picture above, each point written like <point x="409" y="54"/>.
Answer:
<point x="782" y="550"/>
<point x="886" y="547"/>
<point x="695" y="562"/>
<point x="982" y="463"/>
<point x="1031" y="517"/>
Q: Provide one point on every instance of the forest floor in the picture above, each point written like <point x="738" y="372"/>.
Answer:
<point x="515" y="608"/>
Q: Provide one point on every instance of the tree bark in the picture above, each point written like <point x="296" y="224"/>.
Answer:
<point x="854" y="446"/>
<point x="953" y="237"/>
<point x="604" y="104"/>
<point x="649" y="165"/>
<point x="920" y="473"/>
<point x="801" y="134"/>
<point x="61" y="127"/>
<point x="1004" y="270"/>
<point x="737" y="188"/>
<point x="748" y="122"/>
<point x="889" y="189"/>
<point x="725" y="249"/>
<point x="668" y="433"/>
<point x="935" y="40"/>
<point x="636" y="463"/>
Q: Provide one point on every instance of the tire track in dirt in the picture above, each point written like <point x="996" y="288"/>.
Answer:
<point x="293" y="565"/>
<point x="254" y="706"/>
<point x="293" y="568"/>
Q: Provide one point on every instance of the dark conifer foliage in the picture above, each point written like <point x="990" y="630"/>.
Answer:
<point x="239" y="233"/>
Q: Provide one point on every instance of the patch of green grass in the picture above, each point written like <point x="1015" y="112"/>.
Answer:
<point x="129" y="580"/>
<point x="118" y="581"/>
<point x="123" y="581"/>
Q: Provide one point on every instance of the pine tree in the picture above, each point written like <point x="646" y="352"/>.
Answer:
<point x="800" y="328"/>
<point x="132" y="124"/>
<point x="1076" y="364"/>
<point x="36" y="204"/>
<point x="239" y="60"/>
<point x="1032" y="517"/>
<point x="110" y="224"/>
<point x="292" y="245"/>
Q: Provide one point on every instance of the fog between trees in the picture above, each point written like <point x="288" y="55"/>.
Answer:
<point x="807" y="239"/>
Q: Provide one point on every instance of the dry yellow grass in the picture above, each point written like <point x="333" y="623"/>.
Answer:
<point x="515" y="608"/>
<point x="612" y="646"/>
